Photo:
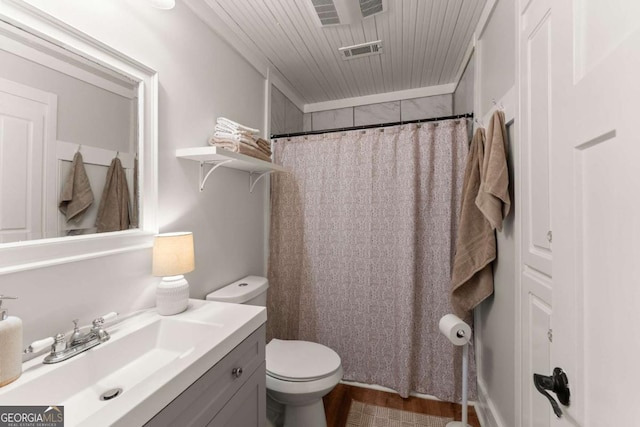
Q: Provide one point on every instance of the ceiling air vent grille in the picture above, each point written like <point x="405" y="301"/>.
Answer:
<point x="360" y="50"/>
<point x="326" y="11"/>
<point x="371" y="7"/>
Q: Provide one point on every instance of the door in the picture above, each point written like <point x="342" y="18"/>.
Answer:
<point x="22" y="144"/>
<point x="589" y="52"/>
<point x="595" y="173"/>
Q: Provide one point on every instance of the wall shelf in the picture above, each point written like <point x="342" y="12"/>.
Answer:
<point x="216" y="157"/>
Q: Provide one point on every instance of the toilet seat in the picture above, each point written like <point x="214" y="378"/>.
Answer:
<point x="300" y="361"/>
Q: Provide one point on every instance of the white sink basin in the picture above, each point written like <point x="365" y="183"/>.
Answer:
<point x="150" y="359"/>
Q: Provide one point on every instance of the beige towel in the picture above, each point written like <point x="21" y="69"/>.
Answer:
<point x="239" y="147"/>
<point x="472" y="275"/>
<point x="113" y="212"/>
<point x="493" y="198"/>
<point x="76" y="196"/>
<point x="264" y="146"/>
<point x="133" y="215"/>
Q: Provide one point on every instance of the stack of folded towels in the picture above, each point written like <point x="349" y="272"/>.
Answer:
<point x="241" y="139"/>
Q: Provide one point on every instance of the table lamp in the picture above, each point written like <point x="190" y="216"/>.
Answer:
<point x="172" y="257"/>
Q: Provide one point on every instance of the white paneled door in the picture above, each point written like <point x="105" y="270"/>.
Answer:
<point x="590" y="297"/>
<point x="23" y="119"/>
<point x="595" y="172"/>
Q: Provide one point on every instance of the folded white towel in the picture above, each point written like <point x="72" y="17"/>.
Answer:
<point x="226" y="129"/>
<point x="238" y="126"/>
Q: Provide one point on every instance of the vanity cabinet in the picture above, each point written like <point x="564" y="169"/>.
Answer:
<point x="230" y="394"/>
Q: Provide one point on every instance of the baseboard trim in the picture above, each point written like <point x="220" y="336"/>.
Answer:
<point x="390" y="390"/>
<point x="486" y="409"/>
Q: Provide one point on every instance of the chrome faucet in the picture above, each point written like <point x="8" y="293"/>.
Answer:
<point x="62" y="349"/>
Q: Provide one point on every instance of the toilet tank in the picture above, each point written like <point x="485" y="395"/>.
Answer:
<point x="251" y="290"/>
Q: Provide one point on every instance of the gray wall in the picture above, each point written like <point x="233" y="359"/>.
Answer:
<point x="463" y="96"/>
<point x="86" y="114"/>
<point x="497" y="66"/>
<point x="384" y="112"/>
<point x="285" y="116"/>
<point x="496" y="329"/>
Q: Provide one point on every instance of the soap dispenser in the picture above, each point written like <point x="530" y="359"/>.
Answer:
<point x="10" y="345"/>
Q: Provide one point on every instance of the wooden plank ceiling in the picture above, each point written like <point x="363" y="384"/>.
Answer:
<point x="424" y="44"/>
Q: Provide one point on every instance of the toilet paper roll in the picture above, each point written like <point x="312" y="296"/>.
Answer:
<point x="452" y="327"/>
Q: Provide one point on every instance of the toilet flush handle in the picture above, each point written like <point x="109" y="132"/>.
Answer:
<point x="236" y="372"/>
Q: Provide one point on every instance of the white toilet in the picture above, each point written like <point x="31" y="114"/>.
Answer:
<point x="299" y="373"/>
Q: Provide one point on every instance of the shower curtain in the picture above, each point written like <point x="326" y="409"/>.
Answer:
<point x="361" y="246"/>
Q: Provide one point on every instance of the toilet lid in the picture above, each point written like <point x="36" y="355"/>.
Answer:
<point x="291" y="360"/>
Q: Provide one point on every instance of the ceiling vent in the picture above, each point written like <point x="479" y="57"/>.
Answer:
<point x="344" y="12"/>
<point x="371" y="7"/>
<point x="361" y="50"/>
<point x="326" y="12"/>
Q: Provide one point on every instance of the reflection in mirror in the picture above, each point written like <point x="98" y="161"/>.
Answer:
<point x="117" y="116"/>
<point x="64" y="120"/>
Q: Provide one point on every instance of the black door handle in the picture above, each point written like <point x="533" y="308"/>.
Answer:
<point x="557" y="383"/>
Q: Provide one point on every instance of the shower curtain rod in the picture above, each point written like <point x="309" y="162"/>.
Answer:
<point x="380" y="125"/>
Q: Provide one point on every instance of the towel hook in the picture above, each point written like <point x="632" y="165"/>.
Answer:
<point x="79" y="147"/>
<point x="479" y="122"/>
<point x="498" y="105"/>
<point x="117" y="154"/>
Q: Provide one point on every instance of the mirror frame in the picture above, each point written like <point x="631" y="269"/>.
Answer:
<point x="28" y="255"/>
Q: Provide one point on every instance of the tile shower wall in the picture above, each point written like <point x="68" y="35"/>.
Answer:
<point x="285" y="116"/>
<point x="384" y="112"/>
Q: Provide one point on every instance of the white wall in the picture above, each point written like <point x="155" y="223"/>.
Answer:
<point x="200" y="78"/>
<point x="496" y="317"/>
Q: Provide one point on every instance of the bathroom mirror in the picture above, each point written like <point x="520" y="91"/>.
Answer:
<point x="63" y="92"/>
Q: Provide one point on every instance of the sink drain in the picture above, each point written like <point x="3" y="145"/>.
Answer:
<point x="111" y="394"/>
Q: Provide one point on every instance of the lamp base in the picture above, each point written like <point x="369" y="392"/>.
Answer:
<point x="172" y="295"/>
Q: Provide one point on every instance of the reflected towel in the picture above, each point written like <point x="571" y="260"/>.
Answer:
<point x="133" y="215"/>
<point x="472" y="275"/>
<point x="76" y="196"/>
<point x="113" y="212"/>
<point x="493" y="198"/>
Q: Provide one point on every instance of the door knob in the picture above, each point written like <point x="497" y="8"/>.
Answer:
<point x="557" y="383"/>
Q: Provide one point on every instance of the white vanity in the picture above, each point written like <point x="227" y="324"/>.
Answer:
<point x="205" y="366"/>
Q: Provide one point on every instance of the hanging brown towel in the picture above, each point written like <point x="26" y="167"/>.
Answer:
<point x="76" y="196"/>
<point x="134" y="214"/>
<point x="472" y="275"/>
<point x="113" y="212"/>
<point x="493" y="198"/>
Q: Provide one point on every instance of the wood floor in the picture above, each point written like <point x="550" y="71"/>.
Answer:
<point x="337" y="403"/>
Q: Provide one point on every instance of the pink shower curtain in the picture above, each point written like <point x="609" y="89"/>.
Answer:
<point x="361" y="249"/>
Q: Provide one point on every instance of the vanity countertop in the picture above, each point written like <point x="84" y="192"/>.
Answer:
<point x="152" y="358"/>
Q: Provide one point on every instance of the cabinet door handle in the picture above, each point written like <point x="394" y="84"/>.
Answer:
<point x="236" y="372"/>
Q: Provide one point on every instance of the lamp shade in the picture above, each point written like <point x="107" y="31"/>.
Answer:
<point x="173" y="254"/>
